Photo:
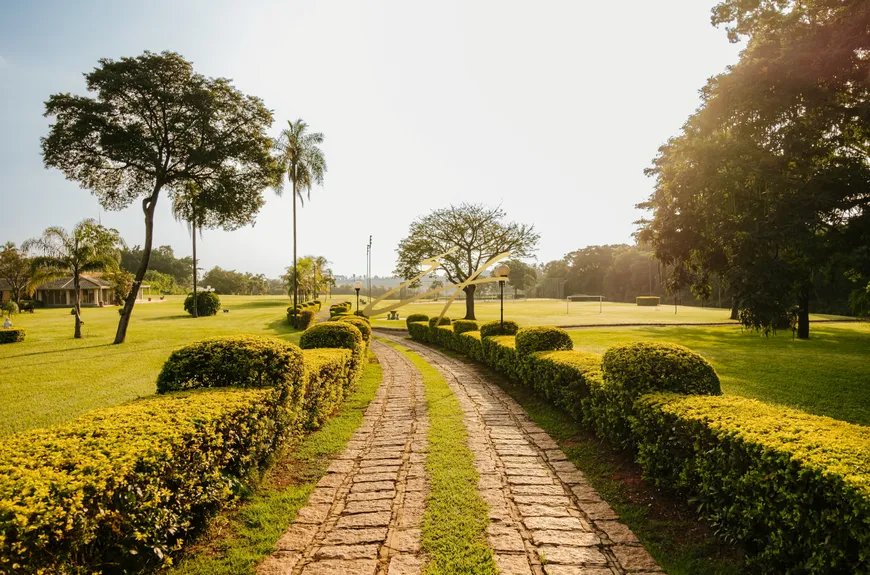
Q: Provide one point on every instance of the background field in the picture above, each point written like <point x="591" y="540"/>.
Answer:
<point x="553" y="312"/>
<point x="51" y="377"/>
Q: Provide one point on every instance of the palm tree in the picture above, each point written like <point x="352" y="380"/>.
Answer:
<point x="186" y="208"/>
<point x="305" y="165"/>
<point x="59" y="254"/>
<point x="321" y="274"/>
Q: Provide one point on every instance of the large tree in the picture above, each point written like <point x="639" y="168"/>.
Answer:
<point x="162" y="260"/>
<point x="153" y="124"/>
<point x="519" y="274"/>
<point x="479" y="233"/>
<point x="301" y="157"/>
<point x="15" y="269"/>
<point x="59" y="254"/>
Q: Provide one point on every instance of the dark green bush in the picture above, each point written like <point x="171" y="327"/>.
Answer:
<point x="642" y="367"/>
<point x="442" y="335"/>
<point x="12" y="335"/>
<point x="464" y="325"/>
<point x="470" y="344"/>
<point x="306" y="318"/>
<point x="419" y="330"/>
<point x="560" y="376"/>
<point x="499" y="351"/>
<point x="542" y="338"/>
<point x="415" y="317"/>
<point x="337" y="334"/>
<point x="434" y="320"/>
<point x="361" y="324"/>
<point x="232" y="361"/>
<point x="647" y="300"/>
<point x="495" y="328"/>
<point x="207" y="303"/>
<point x="328" y="378"/>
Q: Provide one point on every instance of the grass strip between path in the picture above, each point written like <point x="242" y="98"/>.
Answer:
<point x="455" y="520"/>
<point x="240" y="537"/>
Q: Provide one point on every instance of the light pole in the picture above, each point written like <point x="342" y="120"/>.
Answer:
<point x="357" y="285"/>
<point x="369" y="268"/>
<point x="501" y="272"/>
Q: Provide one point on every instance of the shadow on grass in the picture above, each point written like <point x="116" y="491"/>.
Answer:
<point x="260" y="304"/>
<point x="58" y="351"/>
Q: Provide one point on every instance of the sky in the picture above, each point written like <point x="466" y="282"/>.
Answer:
<point x="550" y="109"/>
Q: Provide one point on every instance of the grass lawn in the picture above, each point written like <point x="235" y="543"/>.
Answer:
<point x="553" y="312"/>
<point x="829" y="374"/>
<point x="51" y="377"/>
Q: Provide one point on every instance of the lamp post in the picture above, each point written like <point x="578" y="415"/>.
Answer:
<point x="357" y="285"/>
<point x="501" y="272"/>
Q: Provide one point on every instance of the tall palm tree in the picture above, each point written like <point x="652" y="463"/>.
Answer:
<point x="90" y="247"/>
<point x="305" y="165"/>
<point x="321" y="274"/>
<point x="186" y="207"/>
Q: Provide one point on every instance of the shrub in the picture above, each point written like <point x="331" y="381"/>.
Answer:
<point x="305" y="319"/>
<point x="560" y="376"/>
<point x="464" y="325"/>
<point x="207" y="303"/>
<point x="470" y="344"/>
<point x="118" y="489"/>
<point x="499" y="351"/>
<point x="419" y="330"/>
<point x="642" y="367"/>
<point x="794" y="487"/>
<point x="9" y="307"/>
<point x="232" y="361"/>
<point x="328" y="380"/>
<point x="361" y="324"/>
<point x="12" y="335"/>
<point x="337" y="334"/>
<point x="443" y="321"/>
<point x="415" y="317"/>
<point x="442" y="335"/>
<point x="495" y="328"/>
<point x="647" y="300"/>
<point x="542" y="338"/>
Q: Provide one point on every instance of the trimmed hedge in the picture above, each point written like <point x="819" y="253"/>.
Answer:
<point x="207" y="303"/>
<point x="328" y="380"/>
<point x="415" y="317"/>
<point x="464" y="325"/>
<point x="793" y="488"/>
<point x="444" y="321"/>
<point x="495" y="328"/>
<point x="542" y="338"/>
<point x="362" y="325"/>
<point x="306" y="319"/>
<point x="337" y="334"/>
<point x="12" y="335"/>
<point x="647" y="300"/>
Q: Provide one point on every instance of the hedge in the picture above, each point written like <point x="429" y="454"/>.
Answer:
<point x="495" y="328"/>
<point x="542" y="338"/>
<point x="647" y="300"/>
<point x="464" y="325"/>
<point x="415" y="317"/>
<point x="337" y="334"/>
<point x="207" y="303"/>
<point x="361" y="324"/>
<point x="439" y="321"/>
<point x="306" y="319"/>
<point x="793" y="488"/>
<point x="329" y="379"/>
<point x="12" y="335"/>
<point x="232" y="361"/>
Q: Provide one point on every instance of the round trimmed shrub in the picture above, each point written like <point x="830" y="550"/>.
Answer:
<point x="464" y="325"/>
<point x="643" y="367"/>
<point x="232" y="361"/>
<point x="415" y="317"/>
<point x="542" y="338"/>
<point x="335" y="334"/>
<point x="494" y="328"/>
<point x="434" y="320"/>
<point x="647" y="300"/>
<point x="361" y="324"/>
<point x="207" y="303"/>
<point x="12" y="335"/>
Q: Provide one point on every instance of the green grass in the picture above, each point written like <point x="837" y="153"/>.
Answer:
<point x="239" y="538"/>
<point x="556" y="312"/>
<point x="455" y="519"/>
<point x="829" y="374"/>
<point x="51" y="377"/>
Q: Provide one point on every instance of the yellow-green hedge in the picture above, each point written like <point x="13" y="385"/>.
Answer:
<point x="328" y="380"/>
<point x="12" y="335"/>
<point x="647" y="300"/>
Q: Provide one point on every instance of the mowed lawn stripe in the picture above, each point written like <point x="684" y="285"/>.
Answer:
<point x="455" y="519"/>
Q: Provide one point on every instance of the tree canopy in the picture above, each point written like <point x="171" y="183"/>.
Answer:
<point x="14" y="269"/>
<point x="155" y="124"/>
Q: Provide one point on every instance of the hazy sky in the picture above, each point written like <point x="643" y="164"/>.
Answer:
<point x="551" y="109"/>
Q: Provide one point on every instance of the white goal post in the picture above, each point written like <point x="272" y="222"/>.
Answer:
<point x="582" y="298"/>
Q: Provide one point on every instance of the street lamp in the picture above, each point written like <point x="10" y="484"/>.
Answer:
<point x="501" y="272"/>
<point x="357" y="285"/>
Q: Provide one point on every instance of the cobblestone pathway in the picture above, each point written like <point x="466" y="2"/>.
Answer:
<point x="544" y="516"/>
<point x="363" y="518"/>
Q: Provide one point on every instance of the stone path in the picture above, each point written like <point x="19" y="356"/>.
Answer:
<point x="363" y="518"/>
<point x="544" y="515"/>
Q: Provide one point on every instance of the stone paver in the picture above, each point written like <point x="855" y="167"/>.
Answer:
<point x="545" y="518"/>
<point x="363" y="518"/>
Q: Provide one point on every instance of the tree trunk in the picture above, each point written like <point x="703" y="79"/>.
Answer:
<point x="734" y="309"/>
<point x="469" y="301"/>
<point x="295" y="270"/>
<point x="803" y="331"/>
<point x="148" y="206"/>
<point x="78" y="307"/>
<point x="195" y="301"/>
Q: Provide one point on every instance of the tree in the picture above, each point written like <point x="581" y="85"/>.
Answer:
<point x="518" y="276"/>
<point x="15" y="269"/>
<point x="155" y="124"/>
<point x="163" y="283"/>
<point x="121" y="281"/>
<point x="226" y="281"/>
<point x="477" y="231"/>
<point x="90" y="247"/>
<point x="162" y="261"/>
<point x="302" y="159"/>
